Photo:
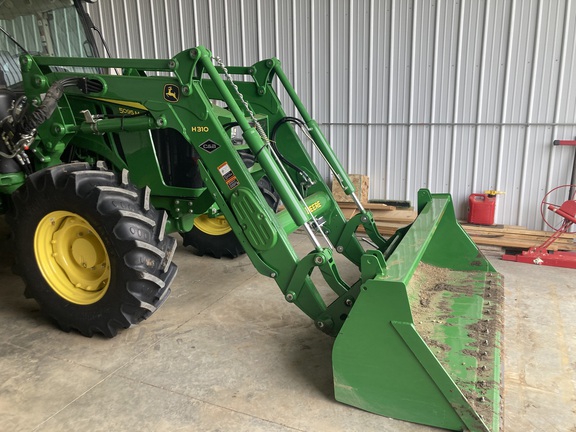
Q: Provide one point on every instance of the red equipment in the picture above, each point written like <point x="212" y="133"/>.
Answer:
<point x="481" y="209"/>
<point x="540" y="254"/>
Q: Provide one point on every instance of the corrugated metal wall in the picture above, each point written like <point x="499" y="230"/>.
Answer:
<point x="455" y="95"/>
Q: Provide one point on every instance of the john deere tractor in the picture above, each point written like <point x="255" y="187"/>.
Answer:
<point x="102" y="159"/>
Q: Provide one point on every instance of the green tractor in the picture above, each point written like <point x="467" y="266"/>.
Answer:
<point x="101" y="159"/>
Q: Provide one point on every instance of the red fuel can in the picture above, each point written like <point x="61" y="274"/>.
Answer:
<point x="481" y="208"/>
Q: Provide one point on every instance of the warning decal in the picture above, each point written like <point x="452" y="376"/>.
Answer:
<point x="233" y="183"/>
<point x="228" y="175"/>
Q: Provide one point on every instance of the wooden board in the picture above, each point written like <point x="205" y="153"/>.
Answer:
<point x="360" y="182"/>
<point x="381" y="212"/>
<point x="388" y="221"/>
<point x="517" y="237"/>
<point x="496" y="238"/>
<point x="368" y="206"/>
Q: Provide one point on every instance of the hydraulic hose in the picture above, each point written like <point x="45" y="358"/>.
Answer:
<point x="50" y="102"/>
<point x="273" y="142"/>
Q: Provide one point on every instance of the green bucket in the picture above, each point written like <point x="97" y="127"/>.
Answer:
<point x="422" y="341"/>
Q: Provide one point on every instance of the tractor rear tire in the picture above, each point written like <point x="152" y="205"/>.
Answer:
<point x="91" y="249"/>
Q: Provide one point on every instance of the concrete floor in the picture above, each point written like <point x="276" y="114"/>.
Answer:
<point x="227" y="353"/>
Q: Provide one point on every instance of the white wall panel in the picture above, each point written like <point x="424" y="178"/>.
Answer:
<point x="458" y="96"/>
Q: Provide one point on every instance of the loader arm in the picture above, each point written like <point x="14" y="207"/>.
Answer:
<point x="383" y="361"/>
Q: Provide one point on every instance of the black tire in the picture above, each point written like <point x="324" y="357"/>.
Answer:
<point x="90" y="248"/>
<point x="212" y="244"/>
<point x="264" y="184"/>
<point x="207" y="238"/>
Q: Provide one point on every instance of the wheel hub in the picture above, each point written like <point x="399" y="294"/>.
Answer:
<point x="212" y="226"/>
<point x="72" y="257"/>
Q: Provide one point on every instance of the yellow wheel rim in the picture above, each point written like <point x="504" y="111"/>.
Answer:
<point x="213" y="226"/>
<point x="72" y="257"/>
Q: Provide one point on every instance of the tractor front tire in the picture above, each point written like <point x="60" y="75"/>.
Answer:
<point x="214" y="236"/>
<point x="90" y="248"/>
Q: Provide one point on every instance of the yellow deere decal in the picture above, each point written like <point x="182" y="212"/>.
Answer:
<point x="127" y="111"/>
<point x="314" y="206"/>
<point x="134" y="105"/>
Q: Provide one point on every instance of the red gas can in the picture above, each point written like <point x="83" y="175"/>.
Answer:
<point x="481" y="209"/>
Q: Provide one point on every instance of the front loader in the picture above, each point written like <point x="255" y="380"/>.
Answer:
<point x="103" y="158"/>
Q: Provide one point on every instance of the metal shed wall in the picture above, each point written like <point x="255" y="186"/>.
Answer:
<point x="457" y="96"/>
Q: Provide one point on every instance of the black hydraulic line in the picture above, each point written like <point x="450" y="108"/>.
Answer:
<point x="285" y="120"/>
<point x="87" y="85"/>
<point x="49" y="104"/>
<point x="230" y="125"/>
<point x="45" y="110"/>
<point x="280" y="122"/>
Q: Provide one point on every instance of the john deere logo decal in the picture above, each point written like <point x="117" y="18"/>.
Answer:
<point x="171" y="93"/>
<point x="209" y="146"/>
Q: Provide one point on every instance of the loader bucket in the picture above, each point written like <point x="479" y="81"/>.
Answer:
<point x="422" y="341"/>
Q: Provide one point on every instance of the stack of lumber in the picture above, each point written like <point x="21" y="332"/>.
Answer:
<point x="517" y="237"/>
<point x="388" y="219"/>
<point x="382" y="212"/>
<point x="361" y="184"/>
